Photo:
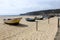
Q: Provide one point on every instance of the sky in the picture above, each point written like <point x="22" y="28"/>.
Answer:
<point x="15" y="7"/>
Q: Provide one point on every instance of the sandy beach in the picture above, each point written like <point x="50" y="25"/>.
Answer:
<point x="27" y="30"/>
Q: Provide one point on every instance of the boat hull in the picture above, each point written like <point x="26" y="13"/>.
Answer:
<point x="12" y="21"/>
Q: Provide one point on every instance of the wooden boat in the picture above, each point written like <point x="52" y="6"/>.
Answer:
<point x="30" y="19"/>
<point x="39" y="18"/>
<point x="12" y="21"/>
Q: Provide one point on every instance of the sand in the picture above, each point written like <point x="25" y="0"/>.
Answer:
<point x="27" y="30"/>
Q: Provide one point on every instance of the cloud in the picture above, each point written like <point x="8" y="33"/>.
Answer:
<point x="20" y="6"/>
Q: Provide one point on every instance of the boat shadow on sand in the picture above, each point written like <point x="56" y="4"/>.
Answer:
<point x="19" y="25"/>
